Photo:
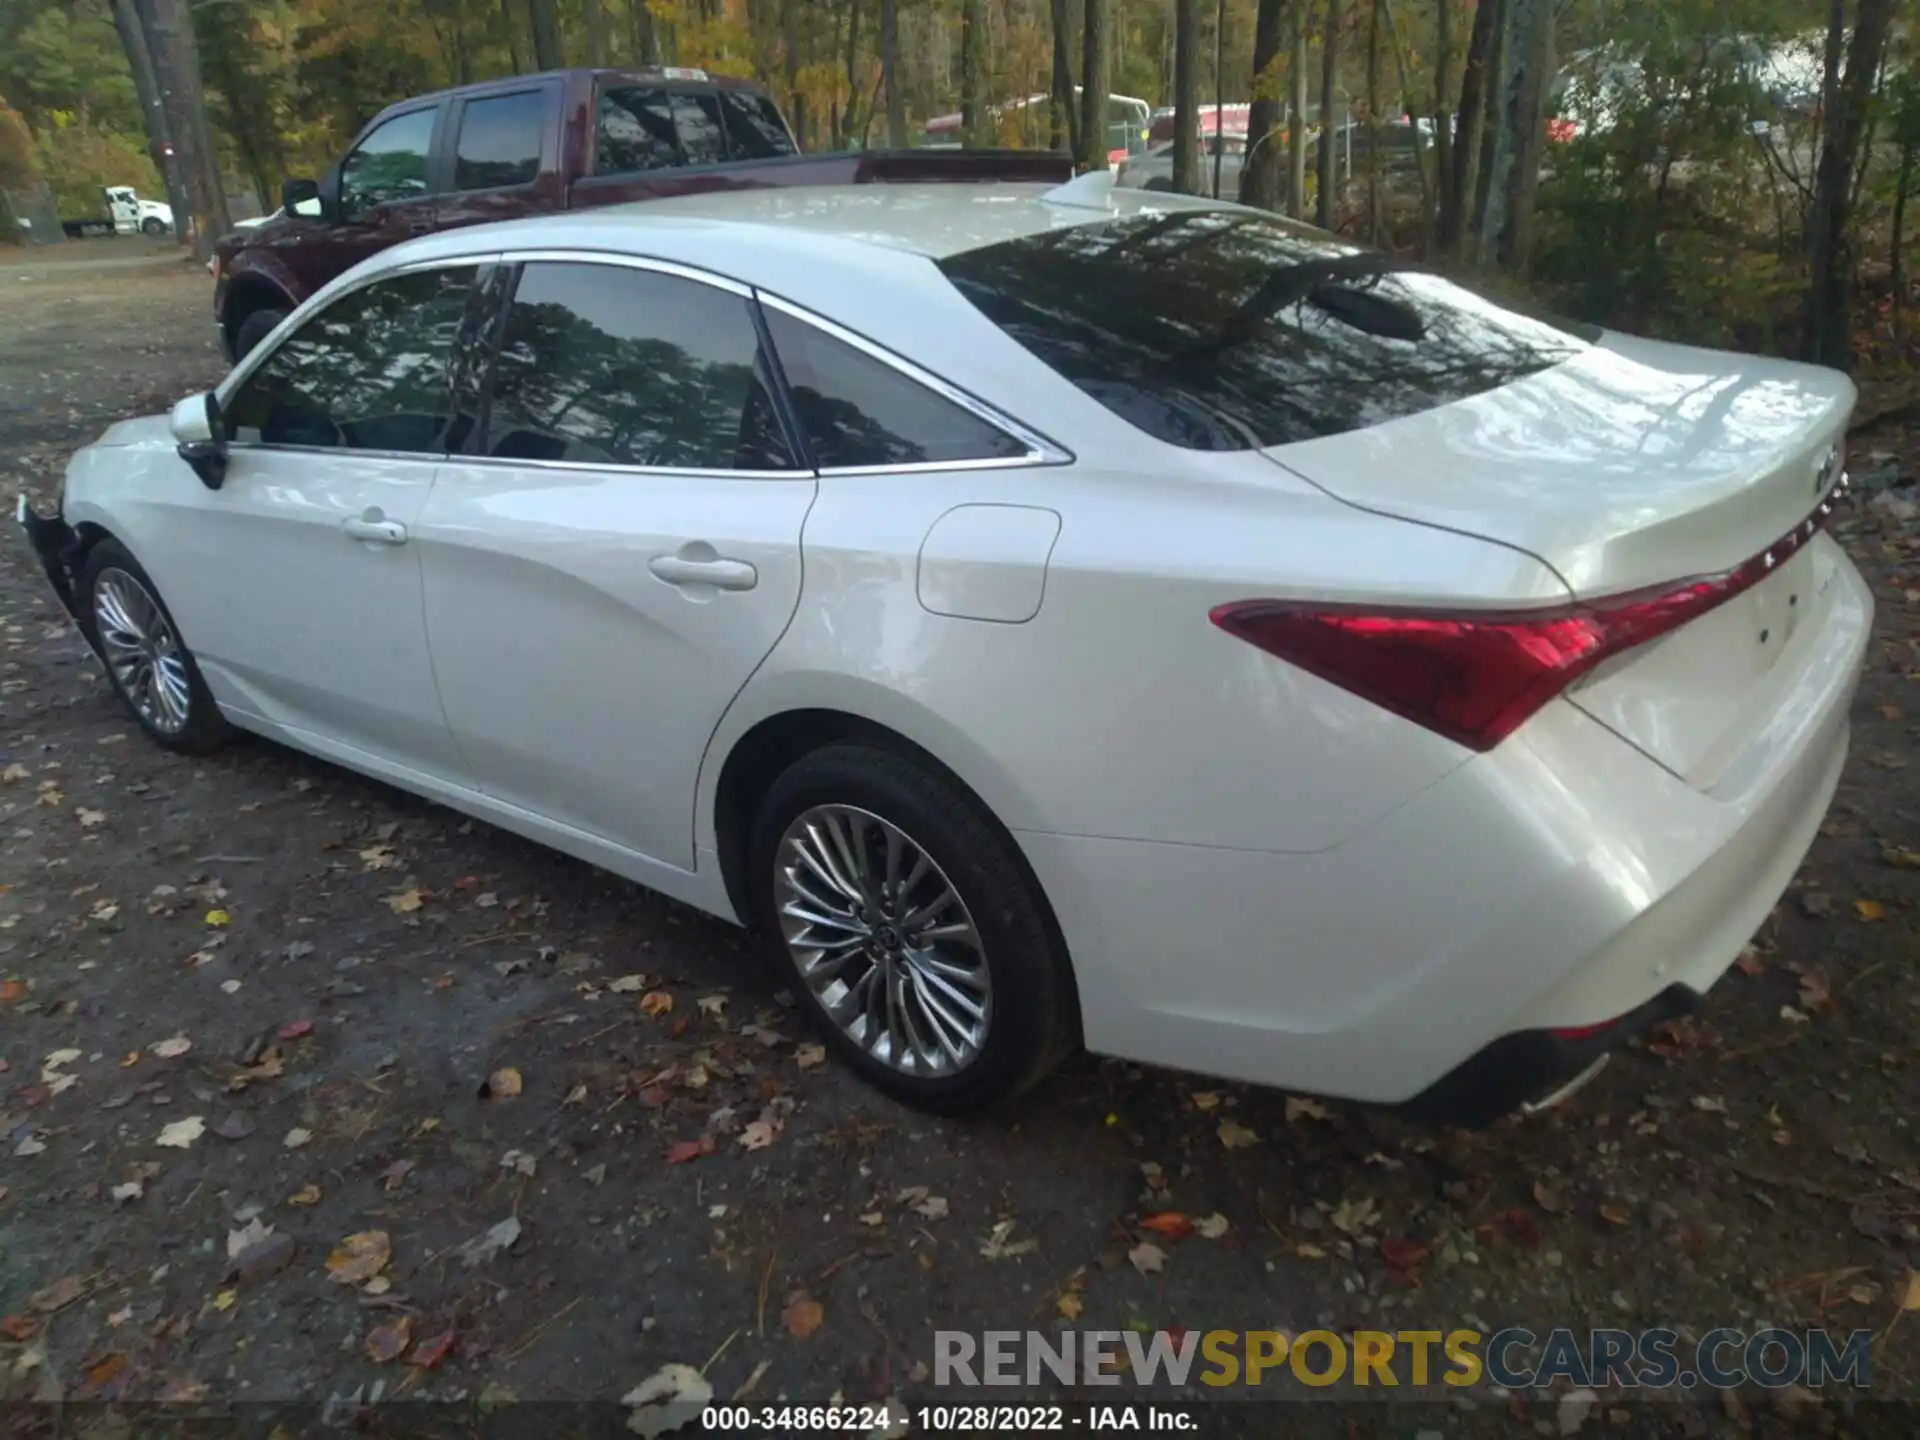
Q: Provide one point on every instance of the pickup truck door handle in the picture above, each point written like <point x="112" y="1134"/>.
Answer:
<point x="380" y="532"/>
<point x="719" y="572"/>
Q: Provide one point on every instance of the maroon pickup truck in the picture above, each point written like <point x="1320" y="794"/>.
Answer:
<point x="535" y="144"/>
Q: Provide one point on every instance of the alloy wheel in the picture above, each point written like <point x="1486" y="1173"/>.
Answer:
<point x="883" y="940"/>
<point x="142" y="650"/>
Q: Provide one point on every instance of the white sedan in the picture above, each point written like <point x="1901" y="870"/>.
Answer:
<point x="1050" y="617"/>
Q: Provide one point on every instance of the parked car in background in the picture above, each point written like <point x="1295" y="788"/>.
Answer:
<point x="124" y="212"/>
<point x="1154" y="169"/>
<point x="529" y="145"/>
<point x="1046" y="615"/>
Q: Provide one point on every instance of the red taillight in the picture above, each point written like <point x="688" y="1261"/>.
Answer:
<point x="1476" y="678"/>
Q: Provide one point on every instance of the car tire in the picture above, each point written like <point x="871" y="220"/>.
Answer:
<point x="153" y="226"/>
<point x="255" y="328"/>
<point x="931" y="1050"/>
<point x="146" y="660"/>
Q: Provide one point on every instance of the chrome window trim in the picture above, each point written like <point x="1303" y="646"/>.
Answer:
<point x="627" y="262"/>
<point x="614" y="467"/>
<point x="1040" y="450"/>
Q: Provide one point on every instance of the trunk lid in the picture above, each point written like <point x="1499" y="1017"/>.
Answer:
<point x="1634" y="466"/>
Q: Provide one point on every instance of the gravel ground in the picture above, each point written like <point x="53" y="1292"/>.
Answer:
<point x="257" y="1004"/>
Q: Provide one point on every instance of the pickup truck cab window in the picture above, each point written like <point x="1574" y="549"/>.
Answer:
<point x="612" y="365"/>
<point x="696" y="116"/>
<point x="369" y="372"/>
<point x="499" y="141"/>
<point x="390" y="164"/>
<point x="755" y="130"/>
<point x="633" y="130"/>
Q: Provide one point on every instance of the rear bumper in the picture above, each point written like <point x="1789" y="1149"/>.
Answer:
<point x="1563" y="880"/>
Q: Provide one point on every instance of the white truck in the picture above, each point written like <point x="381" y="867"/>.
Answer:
<point x="126" y="214"/>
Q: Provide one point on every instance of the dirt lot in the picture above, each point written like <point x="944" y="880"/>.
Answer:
<point x="259" y="994"/>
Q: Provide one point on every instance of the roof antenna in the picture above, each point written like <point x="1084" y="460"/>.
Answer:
<point x="1091" y="191"/>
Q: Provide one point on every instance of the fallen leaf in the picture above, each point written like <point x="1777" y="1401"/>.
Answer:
<point x="803" y="1315"/>
<point x="1748" y="962"/>
<point x="504" y="1083"/>
<point x="229" y="987"/>
<point x="293" y="1030"/>
<point x="1353" y="1217"/>
<point x="1236" y="1136"/>
<point x="1901" y="859"/>
<point x="405" y="902"/>
<point x="130" y="1191"/>
<point x="627" y="984"/>
<point x="672" y="1397"/>
<point x="681" y="1151"/>
<point x="1148" y="1258"/>
<point x="89" y="818"/>
<point x="1815" y="903"/>
<point x="1816" y="990"/>
<point x="391" y="1177"/>
<point x="378" y="1285"/>
<point x="1070" y="1305"/>
<point x="14" y="772"/>
<point x="1712" y="1104"/>
<point x="998" y="1245"/>
<point x="1303" y="1107"/>
<point x="12" y="992"/>
<point x="1404" y="1256"/>
<point x="656" y="1002"/>
<point x="1869" y="910"/>
<point x="712" y="1004"/>
<point x="518" y="1161"/>
<point x="932" y="1207"/>
<point x="360" y="1257"/>
<point x="757" y="1135"/>
<point x="490" y="1242"/>
<point x="1548" y="1198"/>
<point x="296" y="1137"/>
<point x="1910" y="1291"/>
<point x="1615" y="1214"/>
<point x="217" y="918"/>
<point x="385" y="1343"/>
<point x="1212" y="1227"/>
<point x="308" y="1194"/>
<point x="18" y="1328"/>
<point x="378" y="857"/>
<point x="252" y="1233"/>
<point x="432" y="1350"/>
<point x="173" y="1048"/>
<point x="809" y="1055"/>
<point x="181" y="1134"/>
<point x="1169" y="1225"/>
<point x="57" y="1296"/>
<point x="226" y="1299"/>
<point x="57" y="1058"/>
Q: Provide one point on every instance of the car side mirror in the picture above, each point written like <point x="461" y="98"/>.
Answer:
<point x="328" y="193"/>
<point x="197" y="431"/>
<point x="295" y="193"/>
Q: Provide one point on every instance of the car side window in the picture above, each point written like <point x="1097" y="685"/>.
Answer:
<point x="856" y="410"/>
<point x="499" y="141"/>
<point x="609" y="365"/>
<point x="390" y="164"/>
<point x="369" y="372"/>
<point x="697" y="118"/>
<point x="633" y="130"/>
<point x="755" y="130"/>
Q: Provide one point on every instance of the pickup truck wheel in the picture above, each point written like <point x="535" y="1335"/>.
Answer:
<point x="153" y="225"/>
<point x="255" y="328"/>
<point x="149" y="664"/>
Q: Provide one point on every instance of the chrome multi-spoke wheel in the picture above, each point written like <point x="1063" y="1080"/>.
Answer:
<point x="142" y="650"/>
<point x="883" y="940"/>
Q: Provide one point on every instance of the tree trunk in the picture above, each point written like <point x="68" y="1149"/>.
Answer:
<point x="1897" y="240"/>
<point x="790" y="47"/>
<point x="596" y="17"/>
<point x="1527" y="124"/>
<point x="1482" y="205"/>
<point x="646" y="32"/>
<point x="1219" y="95"/>
<point x="850" y="118"/>
<point x="510" y="22"/>
<point x="1260" y="174"/>
<point x="548" y="53"/>
<point x="1096" y="79"/>
<point x="1427" y="202"/>
<point x="176" y="69"/>
<point x="1373" y="120"/>
<point x="1827" y="331"/>
<point x="1456" y="195"/>
<point x="1442" y="92"/>
<point x="133" y="39"/>
<point x="1297" y="121"/>
<point x="1326" y="208"/>
<point x="973" y="105"/>
<point x="1186" y="97"/>
<point x="1064" y="123"/>
<point x="890" y="74"/>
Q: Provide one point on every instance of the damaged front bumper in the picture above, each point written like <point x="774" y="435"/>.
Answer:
<point x="60" y="550"/>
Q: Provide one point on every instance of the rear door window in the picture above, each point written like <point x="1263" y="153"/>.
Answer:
<point x="855" y="410"/>
<point x="610" y="365"/>
<point x="755" y="130"/>
<point x="1218" y="330"/>
<point x="633" y="130"/>
<point x="696" y="116"/>
<point x="499" y="142"/>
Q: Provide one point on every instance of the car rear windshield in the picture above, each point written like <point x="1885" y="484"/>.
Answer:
<point x="1219" y="330"/>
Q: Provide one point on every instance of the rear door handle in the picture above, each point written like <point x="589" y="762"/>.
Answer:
<point x="380" y="532"/>
<point x="719" y="572"/>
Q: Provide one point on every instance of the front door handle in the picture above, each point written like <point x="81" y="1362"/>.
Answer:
<point x="719" y="572"/>
<point x="380" y="532"/>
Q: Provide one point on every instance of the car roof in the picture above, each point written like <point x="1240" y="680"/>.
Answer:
<point x="811" y="222"/>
